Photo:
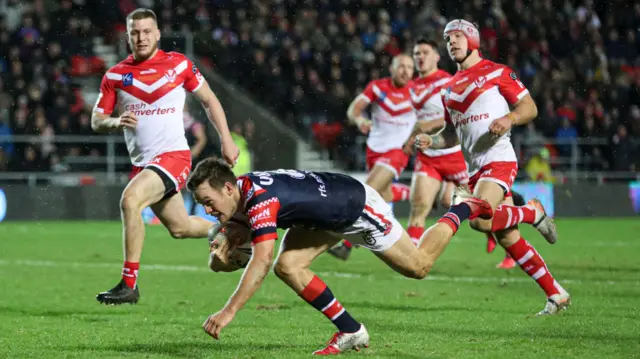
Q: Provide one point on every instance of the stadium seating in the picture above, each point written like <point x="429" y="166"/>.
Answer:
<point x="307" y="60"/>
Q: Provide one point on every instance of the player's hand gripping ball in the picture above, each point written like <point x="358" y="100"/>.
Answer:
<point x="230" y="247"/>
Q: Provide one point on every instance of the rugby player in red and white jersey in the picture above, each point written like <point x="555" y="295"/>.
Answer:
<point x="148" y="89"/>
<point x="477" y="103"/>
<point x="436" y="170"/>
<point x="391" y="125"/>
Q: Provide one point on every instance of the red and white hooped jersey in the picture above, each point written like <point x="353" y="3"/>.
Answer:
<point x="154" y="90"/>
<point x="473" y="99"/>
<point x="393" y="115"/>
<point x="425" y="95"/>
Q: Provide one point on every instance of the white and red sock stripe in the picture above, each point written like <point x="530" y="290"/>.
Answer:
<point x="506" y="216"/>
<point x="532" y="263"/>
<point x="333" y="310"/>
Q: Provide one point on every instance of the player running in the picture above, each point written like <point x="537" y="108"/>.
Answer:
<point x="437" y="171"/>
<point x="391" y="124"/>
<point x="149" y="90"/>
<point x="319" y="209"/>
<point x="476" y="102"/>
<point x="434" y="168"/>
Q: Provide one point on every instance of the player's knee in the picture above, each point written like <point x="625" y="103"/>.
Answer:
<point x="130" y="201"/>
<point x="421" y="270"/>
<point x="178" y="232"/>
<point x="284" y="269"/>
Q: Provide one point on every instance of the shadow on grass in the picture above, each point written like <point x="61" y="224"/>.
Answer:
<point x="43" y="312"/>
<point x="187" y="349"/>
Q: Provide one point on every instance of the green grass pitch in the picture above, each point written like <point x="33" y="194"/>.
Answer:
<point x="50" y="273"/>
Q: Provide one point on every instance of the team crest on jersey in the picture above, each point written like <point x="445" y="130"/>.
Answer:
<point x="171" y="75"/>
<point x="480" y="81"/>
<point x="127" y="79"/>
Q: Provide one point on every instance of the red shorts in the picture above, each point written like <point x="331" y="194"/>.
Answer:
<point x="502" y="173"/>
<point x="176" y="165"/>
<point x="450" y="167"/>
<point x="393" y="160"/>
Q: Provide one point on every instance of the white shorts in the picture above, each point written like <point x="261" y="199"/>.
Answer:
<point x="376" y="229"/>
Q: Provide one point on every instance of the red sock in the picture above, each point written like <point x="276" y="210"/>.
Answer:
<point x="130" y="273"/>
<point x="320" y="297"/>
<point x="491" y="243"/>
<point x="506" y="216"/>
<point x="533" y="264"/>
<point x="415" y="233"/>
<point x="347" y="244"/>
<point x="400" y="192"/>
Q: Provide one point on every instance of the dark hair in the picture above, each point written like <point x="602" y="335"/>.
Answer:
<point x="214" y="171"/>
<point x="425" y="41"/>
<point x="142" y="13"/>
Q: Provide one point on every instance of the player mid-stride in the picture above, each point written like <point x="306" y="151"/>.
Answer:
<point x="148" y="89"/>
<point x="477" y="110"/>
<point x="319" y="209"/>
<point x="390" y="126"/>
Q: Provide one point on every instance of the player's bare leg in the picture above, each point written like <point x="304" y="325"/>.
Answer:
<point x="380" y="179"/>
<point x="424" y="190"/>
<point x="412" y="262"/>
<point x="524" y="253"/>
<point x="173" y="215"/>
<point x="446" y="192"/>
<point x="298" y="249"/>
<point x="144" y="189"/>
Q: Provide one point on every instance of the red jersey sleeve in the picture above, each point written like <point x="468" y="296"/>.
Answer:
<point x="369" y="93"/>
<point x="263" y="219"/>
<point x="194" y="78"/>
<point x="510" y="86"/>
<point x="107" y="97"/>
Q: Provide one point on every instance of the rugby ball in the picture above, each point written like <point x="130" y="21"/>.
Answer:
<point x="235" y="233"/>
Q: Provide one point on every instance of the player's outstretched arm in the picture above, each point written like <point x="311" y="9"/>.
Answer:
<point x="251" y="280"/>
<point x="216" y="115"/>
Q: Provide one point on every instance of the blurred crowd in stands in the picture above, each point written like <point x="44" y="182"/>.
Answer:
<point x="307" y="59"/>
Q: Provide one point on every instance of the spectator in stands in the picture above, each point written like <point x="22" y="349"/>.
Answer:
<point x="243" y="165"/>
<point x="623" y="151"/>
<point x="566" y="134"/>
<point x="538" y="168"/>
<point x="304" y="59"/>
<point x="6" y="144"/>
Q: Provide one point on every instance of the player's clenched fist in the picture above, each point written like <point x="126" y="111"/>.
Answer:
<point x="128" y="120"/>
<point x="230" y="152"/>
<point x="364" y="125"/>
<point x="500" y="126"/>
<point x="423" y="141"/>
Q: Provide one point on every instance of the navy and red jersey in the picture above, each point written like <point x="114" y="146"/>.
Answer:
<point x="292" y="198"/>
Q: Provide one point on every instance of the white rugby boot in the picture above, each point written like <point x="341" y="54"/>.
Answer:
<point x="342" y="342"/>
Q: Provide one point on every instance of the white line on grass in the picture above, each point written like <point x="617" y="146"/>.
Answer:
<point x="186" y="268"/>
